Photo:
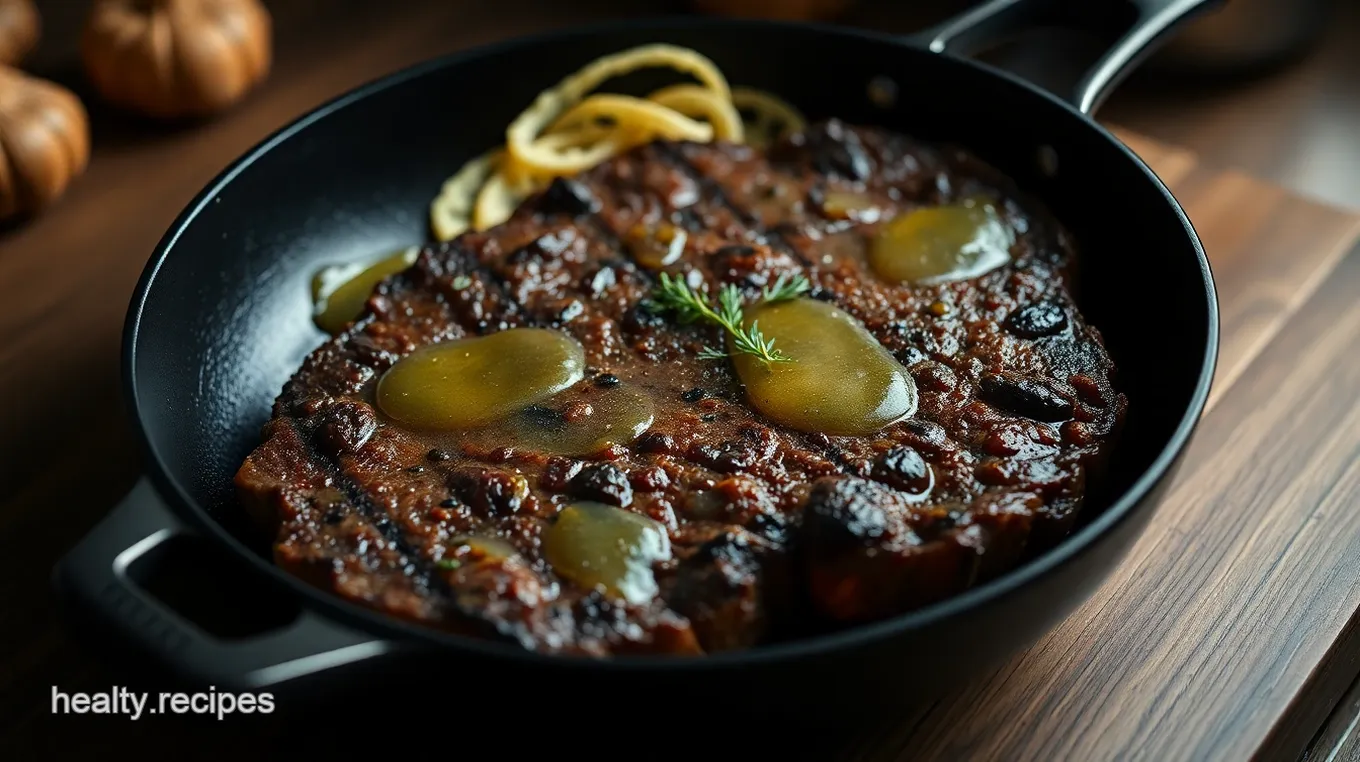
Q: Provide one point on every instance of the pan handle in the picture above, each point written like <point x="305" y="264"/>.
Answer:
<point x="99" y="593"/>
<point x="1138" y="26"/>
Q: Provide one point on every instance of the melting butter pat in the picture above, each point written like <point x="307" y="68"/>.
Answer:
<point x="840" y="380"/>
<point x="339" y="292"/>
<point x="941" y="243"/>
<point x="469" y="383"/>
<point x="599" y="546"/>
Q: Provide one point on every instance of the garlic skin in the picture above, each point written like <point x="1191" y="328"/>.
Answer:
<point x="172" y="59"/>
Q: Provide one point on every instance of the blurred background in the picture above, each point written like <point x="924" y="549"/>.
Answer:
<point x="1269" y="86"/>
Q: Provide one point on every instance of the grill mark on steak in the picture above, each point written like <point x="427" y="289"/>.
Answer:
<point x="749" y="543"/>
<point x="675" y="155"/>
<point x="467" y="264"/>
<point x="331" y="526"/>
<point x="544" y="203"/>
<point x="424" y="573"/>
<point x="547" y="288"/>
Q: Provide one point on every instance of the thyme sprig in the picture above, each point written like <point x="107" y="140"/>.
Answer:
<point x="785" y="288"/>
<point x="692" y="305"/>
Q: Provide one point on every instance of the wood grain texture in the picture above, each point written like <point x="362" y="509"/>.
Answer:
<point x="1226" y="633"/>
<point x="1294" y="126"/>
<point x="1254" y="235"/>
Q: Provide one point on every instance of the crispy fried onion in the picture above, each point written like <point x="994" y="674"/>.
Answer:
<point x="569" y="128"/>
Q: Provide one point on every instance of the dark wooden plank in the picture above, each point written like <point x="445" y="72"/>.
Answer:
<point x="1269" y="249"/>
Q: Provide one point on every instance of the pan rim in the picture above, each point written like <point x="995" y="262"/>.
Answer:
<point x="382" y="626"/>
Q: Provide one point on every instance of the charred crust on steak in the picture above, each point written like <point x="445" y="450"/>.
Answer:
<point x="569" y="197"/>
<point x="602" y="483"/>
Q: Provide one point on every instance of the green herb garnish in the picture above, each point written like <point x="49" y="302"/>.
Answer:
<point x="448" y="564"/>
<point x="690" y="305"/>
<point x="461" y="282"/>
<point x="785" y="288"/>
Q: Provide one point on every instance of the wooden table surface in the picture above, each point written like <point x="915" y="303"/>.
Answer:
<point x="1227" y="634"/>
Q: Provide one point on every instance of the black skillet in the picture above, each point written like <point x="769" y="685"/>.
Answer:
<point x="221" y="318"/>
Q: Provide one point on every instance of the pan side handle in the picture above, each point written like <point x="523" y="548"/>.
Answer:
<point x="1136" y="26"/>
<point x="103" y="599"/>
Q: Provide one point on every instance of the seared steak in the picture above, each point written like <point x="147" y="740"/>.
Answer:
<point x="774" y="532"/>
